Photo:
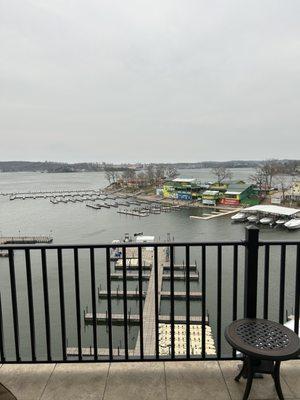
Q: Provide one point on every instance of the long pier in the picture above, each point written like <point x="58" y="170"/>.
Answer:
<point x="152" y="297"/>
<point x="134" y="319"/>
<point x="25" y="239"/>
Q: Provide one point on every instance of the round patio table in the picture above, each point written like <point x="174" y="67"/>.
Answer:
<point x="265" y="344"/>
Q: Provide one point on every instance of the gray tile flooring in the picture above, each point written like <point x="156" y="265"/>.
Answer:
<point x="142" y="381"/>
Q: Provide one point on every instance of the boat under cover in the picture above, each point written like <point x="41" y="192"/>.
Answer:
<point x="293" y="224"/>
<point x="239" y="217"/>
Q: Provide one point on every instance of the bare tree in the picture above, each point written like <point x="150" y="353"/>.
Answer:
<point x="142" y="179"/>
<point x="159" y="172"/>
<point x="283" y="183"/>
<point x="150" y="174"/>
<point x="269" y="169"/>
<point x="259" y="179"/>
<point x="265" y="173"/>
<point x="171" y="172"/>
<point x="128" y="174"/>
<point x="114" y="175"/>
<point x="221" y="174"/>
<point x="108" y="175"/>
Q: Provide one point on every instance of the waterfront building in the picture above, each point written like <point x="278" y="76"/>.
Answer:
<point x="183" y="189"/>
<point x="239" y="193"/>
<point x="210" y="197"/>
<point x="294" y="192"/>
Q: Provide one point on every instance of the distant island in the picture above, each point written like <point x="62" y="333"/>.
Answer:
<point x="62" y="167"/>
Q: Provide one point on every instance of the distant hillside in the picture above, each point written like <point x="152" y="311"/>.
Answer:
<point x="53" y="167"/>
<point x="46" y="166"/>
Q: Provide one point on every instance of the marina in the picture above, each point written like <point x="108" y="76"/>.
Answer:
<point x="150" y="300"/>
<point x="271" y="215"/>
<point x="73" y="222"/>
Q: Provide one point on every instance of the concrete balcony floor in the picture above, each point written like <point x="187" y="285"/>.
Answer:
<point x="142" y="381"/>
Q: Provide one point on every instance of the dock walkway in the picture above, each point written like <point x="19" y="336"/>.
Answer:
<point x="25" y="239"/>
<point x="148" y="322"/>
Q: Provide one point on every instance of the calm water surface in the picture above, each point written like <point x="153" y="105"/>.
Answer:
<point x="76" y="223"/>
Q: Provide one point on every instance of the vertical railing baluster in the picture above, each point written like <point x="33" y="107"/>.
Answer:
<point x="125" y="302"/>
<point x="251" y="271"/>
<point x="93" y="294"/>
<point x="14" y="303"/>
<point x="235" y="287"/>
<point x="30" y="303"/>
<point x="219" y="301"/>
<point x="141" y="302"/>
<point x="297" y="291"/>
<point x="78" y="308"/>
<point x="2" y="352"/>
<point x="187" y="288"/>
<point x="62" y="303"/>
<point x="46" y="303"/>
<point x="203" y="322"/>
<point x="266" y="281"/>
<point x="109" y="319"/>
<point x="156" y="302"/>
<point x="282" y="283"/>
<point x="172" y="314"/>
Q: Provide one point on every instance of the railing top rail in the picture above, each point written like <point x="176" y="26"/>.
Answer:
<point x="279" y="242"/>
<point x="115" y="245"/>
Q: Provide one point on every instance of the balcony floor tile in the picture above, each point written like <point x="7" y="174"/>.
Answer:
<point x="26" y="381"/>
<point x="141" y="381"/>
<point x="291" y="374"/>
<point x="192" y="380"/>
<point x="262" y="389"/>
<point x="77" y="381"/>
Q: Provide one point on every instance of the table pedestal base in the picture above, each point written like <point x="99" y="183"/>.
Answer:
<point x="253" y="366"/>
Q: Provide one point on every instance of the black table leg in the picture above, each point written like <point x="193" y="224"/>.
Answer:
<point x="250" y="374"/>
<point x="276" y="377"/>
<point x="243" y="371"/>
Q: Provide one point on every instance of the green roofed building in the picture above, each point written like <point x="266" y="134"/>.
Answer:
<point x="238" y="193"/>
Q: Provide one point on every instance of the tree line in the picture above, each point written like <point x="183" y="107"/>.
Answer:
<point x="151" y="175"/>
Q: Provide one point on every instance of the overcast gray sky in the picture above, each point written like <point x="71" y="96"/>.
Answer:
<point x="149" y="80"/>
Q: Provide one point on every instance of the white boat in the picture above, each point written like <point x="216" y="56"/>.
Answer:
<point x="266" y="220"/>
<point x="280" y="222"/>
<point x="253" y="218"/>
<point x="293" y="224"/>
<point x="239" y="217"/>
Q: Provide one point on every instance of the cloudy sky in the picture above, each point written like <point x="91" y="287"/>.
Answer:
<point x="149" y="80"/>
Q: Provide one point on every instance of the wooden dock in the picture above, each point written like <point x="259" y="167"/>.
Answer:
<point x="133" y="276"/>
<point x="102" y="352"/>
<point x="181" y="277"/>
<point x="134" y="294"/>
<point x="134" y="319"/>
<point x="130" y="276"/>
<point x="25" y="239"/>
<point x="181" y="267"/>
<point x="215" y="214"/>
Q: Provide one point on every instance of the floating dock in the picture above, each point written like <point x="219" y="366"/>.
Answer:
<point x="134" y="294"/>
<point x="134" y="319"/>
<point x="25" y="239"/>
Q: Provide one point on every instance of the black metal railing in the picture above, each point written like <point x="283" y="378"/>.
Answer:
<point x="48" y="290"/>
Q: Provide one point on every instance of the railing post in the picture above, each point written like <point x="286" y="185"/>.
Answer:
<point x="251" y="271"/>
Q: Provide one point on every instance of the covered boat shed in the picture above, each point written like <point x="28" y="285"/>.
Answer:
<point x="273" y="210"/>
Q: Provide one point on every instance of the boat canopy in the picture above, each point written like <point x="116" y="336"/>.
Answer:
<point x="144" y="239"/>
<point x="273" y="210"/>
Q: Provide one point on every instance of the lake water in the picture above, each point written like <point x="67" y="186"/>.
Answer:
<point x="75" y="223"/>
